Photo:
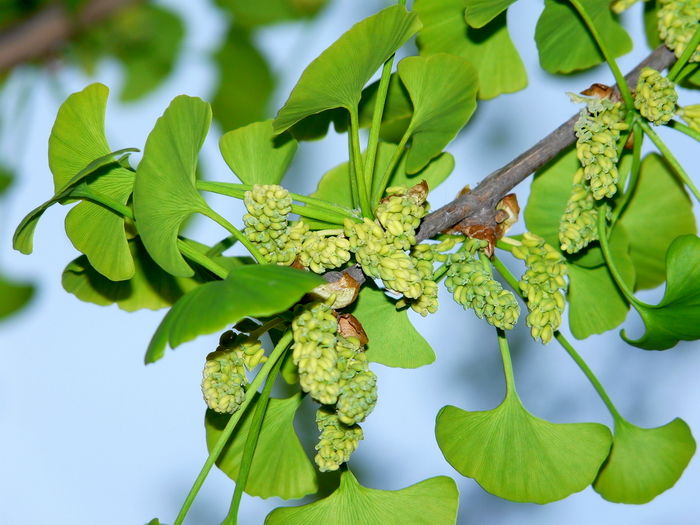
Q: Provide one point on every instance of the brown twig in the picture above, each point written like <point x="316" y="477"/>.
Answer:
<point x="45" y="31"/>
<point x="478" y="206"/>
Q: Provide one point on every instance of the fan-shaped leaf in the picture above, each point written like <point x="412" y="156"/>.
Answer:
<point x="393" y="341"/>
<point x="433" y="501"/>
<point x="564" y="42"/>
<point x="480" y="12"/>
<point x="280" y="466"/>
<point x="596" y="305"/>
<point x="164" y="192"/>
<point x="489" y="48"/>
<point x="676" y="317"/>
<point x="647" y="220"/>
<point x="248" y="291"/>
<point x="255" y="155"/>
<point x="644" y="462"/>
<point x="519" y="457"/>
<point x="335" y="79"/>
<point x="443" y="92"/>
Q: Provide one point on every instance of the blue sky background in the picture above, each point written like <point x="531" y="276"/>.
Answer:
<point x="88" y="434"/>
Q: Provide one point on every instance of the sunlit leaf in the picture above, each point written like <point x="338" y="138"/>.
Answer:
<point x="564" y="42"/>
<point x="596" y="305"/>
<point x="335" y="79"/>
<point x="393" y="341"/>
<point x="644" y="462"/>
<point x="675" y="317"/>
<point x="265" y="12"/>
<point x="255" y="155"/>
<point x="334" y="186"/>
<point x="150" y="287"/>
<point x="433" y="501"/>
<point x="489" y="48"/>
<point x="520" y="457"/>
<point x="13" y="296"/>
<point x="650" y="226"/>
<point x="443" y="90"/>
<point x="280" y="466"/>
<point x="164" y="192"/>
<point x="245" y="82"/>
<point x="23" y="239"/>
<point x="480" y="12"/>
<point x="248" y="291"/>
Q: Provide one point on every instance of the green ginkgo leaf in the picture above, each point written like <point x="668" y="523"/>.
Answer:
<point x="248" y="291"/>
<point x="433" y="501"/>
<point x="335" y="79"/>
<point x="675" y="317"/>
<point x="393" y="341"/>
<point x="478" y="13"/>
<point x="13" y="296"/>
<point x="564" y="42"/>
<point x="164" y="192"/>
<point x="644" y="462"/>
<point x="334" y="186"/>
<point x="23" y="239"/>
<point x="650" y="227"/>
<point x="596" y="305"/>
<point x="519" y="457"/>
<point x="443" y="91"/>
<point x="255" y="155"/>
<point x="397" y="113"/>
<point x="280" y="466"/>
<point x="150" y="287"/>
<point x="489" y="48"/>
<point x="78" y="139"/>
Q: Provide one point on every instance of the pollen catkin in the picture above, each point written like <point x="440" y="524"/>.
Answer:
<point x="677" y="21"/>
<point x="655" y="97"/>
<point x="266" y="224"/>
<point x="691" y="115"/>
<point x="400" y="214"/>
<point x="618" y="6"/>
<point x="578" y="226"/>
<point x="597" y="131"/>
<point x="224" y="381"/>
<point x="473" y="287"/>
<point x="358" y="390"/>
<point x="542" y="283"/>
<point x="337" y="441"/>
<point x="314" y="352"/>
<point x="320" y="253"/>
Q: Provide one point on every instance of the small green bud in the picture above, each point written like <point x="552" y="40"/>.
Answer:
<point x="578" y="226"/>
<point x="677" y="21"/>
<point x="357" y="398"/>
<point x="655" y="97"/>
<point x="691" y="115"/>
<point x="320" y="253"/>
<point x="266" y="223"/>
<point x="224" y="381"/>
<point x="337" y="441"/>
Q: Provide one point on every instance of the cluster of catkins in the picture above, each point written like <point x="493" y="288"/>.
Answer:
<point x="691" y="114"/>
<point x="333" y="370"/>
<point x="655" y="97"/>
<point x="578" y="226"/>
<point x="597" y="132"/>
<point x="472" y="285"/>
<point x="677" y="22"/>
<point x="224" y="379"/>
<point x="543" y="284"/>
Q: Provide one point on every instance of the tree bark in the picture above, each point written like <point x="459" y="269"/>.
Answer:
<point x="46" y="30"/>
<point x="478" y="206"/>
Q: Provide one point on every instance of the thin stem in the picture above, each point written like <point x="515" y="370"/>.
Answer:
<point x="607" y="255"/>
<point x="358" y="172"/>
<point x="250" y="445"/>
<point x="507" y="363"/>
<point x="670" y="158"/>
<point x="619" y="77"/>
<point x="202" y="259"/>
<point x="679" y="126"/>
<point x="685" y="56"/>
<point x="231" y="425"/>
<point x="386" y="176"/>
<point x="638" y="139"/>
<point x="354" y="193"/>
<point x="440" y="272"/>
<point x="104" y="200"/>
<point x="373" y="142"/>
<point x="236" y="233"/>
<point x="589" y="374"/>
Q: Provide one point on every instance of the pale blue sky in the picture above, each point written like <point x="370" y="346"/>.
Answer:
<point x="89" y="435"/>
